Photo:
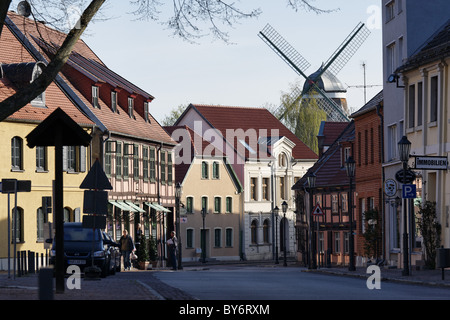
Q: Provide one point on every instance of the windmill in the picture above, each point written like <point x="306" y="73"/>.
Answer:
<point x="315" y="84"/>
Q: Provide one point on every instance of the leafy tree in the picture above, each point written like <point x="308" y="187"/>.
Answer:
<point x="173" y="116"/>
<point x="430" y="229"/>
<point x="372" y="233"/>
<point x="303" y="117"/>
<point x="184" y="21"/>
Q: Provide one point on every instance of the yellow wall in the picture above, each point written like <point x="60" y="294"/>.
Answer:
<point x="41" y="185"/>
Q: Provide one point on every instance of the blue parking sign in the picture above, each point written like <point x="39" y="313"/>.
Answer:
<point x="409" y="191"/>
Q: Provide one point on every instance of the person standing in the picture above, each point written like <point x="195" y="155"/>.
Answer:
<point x="172" y="244"/>
<point x="126" y="247"/>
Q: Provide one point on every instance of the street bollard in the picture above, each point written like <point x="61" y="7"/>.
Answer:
<point x="46" y="284"/>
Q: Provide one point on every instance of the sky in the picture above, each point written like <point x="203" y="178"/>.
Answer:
<point x="247" y="72"/>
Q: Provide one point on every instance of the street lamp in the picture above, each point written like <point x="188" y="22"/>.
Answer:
<point x="312" y="183"/>
<point x="404" y="147"/>
<point x="203" y="234"/>
<point x="284" y="207"/>
<point x="275" y="212"/>
<point x="178" y="193"/>
<point x="350" y="168"/>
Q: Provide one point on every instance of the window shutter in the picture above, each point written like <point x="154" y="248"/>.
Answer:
<point x="65" y="158"/>
<point x="82" y="159"/>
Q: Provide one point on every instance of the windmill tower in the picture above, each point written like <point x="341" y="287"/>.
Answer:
<point x="323" y="85"/>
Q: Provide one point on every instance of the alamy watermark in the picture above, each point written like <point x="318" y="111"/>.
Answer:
<point x="374" y="280"/>
<point x="74" y="280"/>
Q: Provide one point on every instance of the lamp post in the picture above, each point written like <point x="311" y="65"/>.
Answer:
<point x="284" y="207"/>
<point x="203" y="236"/>
<point x="275" y="212"/>
<point x="404" y="147"/>
<point x="178" y="193"/>
<point x="312" y="184"/>
<point x="350" y="168"/>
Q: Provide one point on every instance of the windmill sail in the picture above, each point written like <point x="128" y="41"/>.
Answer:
<point x="334" y="64"/>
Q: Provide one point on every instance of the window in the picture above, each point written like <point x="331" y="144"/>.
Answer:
<point x="169" y="168"/>
<point x="217" y="238"/>
<point x="204" y="170"/>
<point x="71" y="158"/>
<point x="390" y="11"/>
<point x="163" y="167"/>
<point x="411" y="105"/>
<point x="334" y="203"/>
<point x="229" y="205"/>
<point x="39" y="101"/>
<point x="95" y="97"/>
<point x="205" y="204"/>
<point x="190" y="205"/>
<point x="152" y="165"/>
<point x="215" y="170"/>
<point x="136" y="161"/>
<point x="348" y="153"/>
<point x="392" y="142"/>
<point x="253" y="232"/>
<point x="217" y="204"/>
<point x="74" y="158"/>
<point x="114" y="101"/>
<point x="17" y="224"/>
<point x="266" y="231"/>
<point x="344" y="202"/>
<point x="16" y="153"/>
<point x="41" y="159"/>
<point x="40" y="221"/>
<point x="146" y="112"/>
<point x="346" y="242"/>
<point x="119" y="161"/>
<point x="282" y="162"/>
<point x="282" y="188"/>
<point x="145" y="163"/>
<point x="131" y="107"/>
<point x="253" y="186"/>
<point x="419" y="103"/>
<point x="108" y="158"/>
<point x="189" y="238"/>
<point x="390" y="59"/>
<point x="229" y="237"/>
<point x="337" y="242"/>
<point x="433" y="98"/>
<point x="265" y="189"/>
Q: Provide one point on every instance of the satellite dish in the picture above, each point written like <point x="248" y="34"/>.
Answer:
<point x="24" y="9"/>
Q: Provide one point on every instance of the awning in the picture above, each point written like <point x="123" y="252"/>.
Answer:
<point x="131" y="204"/>
<point x="157" y="207"/>
<point x="122" y="205"/>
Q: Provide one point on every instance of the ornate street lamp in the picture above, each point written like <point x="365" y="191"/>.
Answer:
<point x="350" y="165"/>
<point x="178" y="193"/>
<point x="275" y="212"/>
<point x="404" y="147"/>
<point x="312" y="247"/>
<point x="284" y="207"/>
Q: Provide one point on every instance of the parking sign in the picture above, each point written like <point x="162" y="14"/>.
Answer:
<point x="409" y="191"/>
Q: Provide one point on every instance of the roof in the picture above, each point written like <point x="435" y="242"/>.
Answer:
<point x="251" y="120"/>
<point x="42" y="43"/>
<point x="328" y="169"/>
<point x="437" y="47"/>
<point x="369" y="106"/>
<point x="328" y="82"/>
<point x="330" y="131"/>
<point x="198" y="147"/>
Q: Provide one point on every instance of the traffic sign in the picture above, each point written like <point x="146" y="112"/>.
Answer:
<point x="317" y="211"/>
<point x="409" y="191"/>
<point x="390" y="187"/>
<point x="409" y="177"/>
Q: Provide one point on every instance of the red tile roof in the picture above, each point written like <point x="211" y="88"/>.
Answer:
<point x="259" y="119"/>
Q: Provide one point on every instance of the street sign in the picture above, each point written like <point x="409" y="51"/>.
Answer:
<point x="10" y="185"/>
<point x="410" y="176"/>
<point x="317" y="211"/>
<point x="390" y="187"/>
<point x="409" y="191"/>
<point x="431" y="163"/>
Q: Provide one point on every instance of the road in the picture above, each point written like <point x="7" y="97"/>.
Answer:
<point x="264" y="283"/>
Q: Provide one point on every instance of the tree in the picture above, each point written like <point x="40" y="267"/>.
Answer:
<point x="430" y="230"/>
<point x="303" y="117"/>
<point x="173" y="116"/>
<point x="372" y="233"/>
<point x="184" y="22"/>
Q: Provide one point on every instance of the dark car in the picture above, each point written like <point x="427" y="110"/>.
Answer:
<point x="81" y="244"/>
<point x="113" y="248"/>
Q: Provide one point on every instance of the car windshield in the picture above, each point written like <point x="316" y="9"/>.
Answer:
<point x="80" y="234"/>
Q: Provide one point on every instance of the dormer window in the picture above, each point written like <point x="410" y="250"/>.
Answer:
<point x="130" y="107"/>
<point x="39" y="101"/>
<point x="146" y="117"/>
<point x="95" y="97"/>
<point x="114" y="101"/>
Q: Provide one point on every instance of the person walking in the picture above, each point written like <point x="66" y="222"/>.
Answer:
<point x="126" y="247"/>
<point x="172" y="244"/>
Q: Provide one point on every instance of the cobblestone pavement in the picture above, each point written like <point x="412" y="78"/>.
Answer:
<point x="143" y="285"/>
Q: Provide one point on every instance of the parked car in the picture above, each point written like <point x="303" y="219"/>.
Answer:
<point x="79" y="245"/>
<point x="113" y="248"/>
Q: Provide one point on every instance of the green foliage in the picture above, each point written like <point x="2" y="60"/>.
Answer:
<point x="142" y="252"/>
<point x="173" y="116"/>
<point x="372" y="233"/>
<point x="303" y="117"/>
<point x="153" y="251"/>
<point x="431" y="231"/>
